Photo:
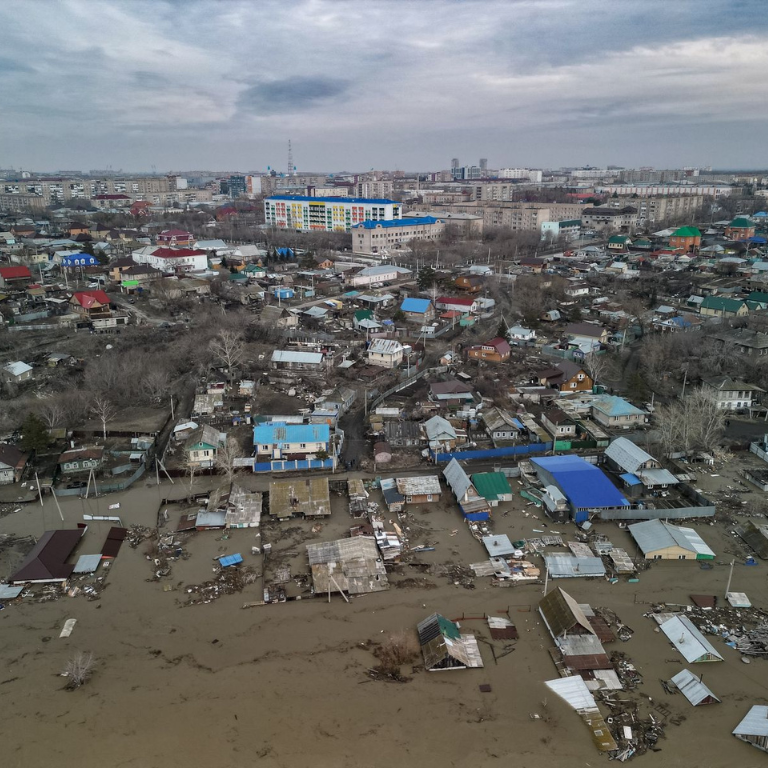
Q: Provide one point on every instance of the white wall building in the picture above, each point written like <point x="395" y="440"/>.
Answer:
<point x="386" y="353"/>
<point x="171" y="260"/>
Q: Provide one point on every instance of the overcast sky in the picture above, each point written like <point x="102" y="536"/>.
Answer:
<point x="209" y="84"/>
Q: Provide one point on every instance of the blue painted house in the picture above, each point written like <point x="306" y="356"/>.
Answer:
<point x="277" y="441"/>
<point x="79" y="260"/>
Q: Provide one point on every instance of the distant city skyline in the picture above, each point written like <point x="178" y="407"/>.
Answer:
<point x="393" y="85"/>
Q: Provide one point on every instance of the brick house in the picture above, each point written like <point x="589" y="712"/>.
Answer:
<point x="494" y="351"/>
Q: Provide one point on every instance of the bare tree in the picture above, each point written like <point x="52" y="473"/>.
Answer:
<point x="104" y="411"/>
<point x="227" y="347"/>
<point x="190" y="467"/>
<point x="226" y="458"/>
<point x="79" y="669"/>
<point x="155" y="384"/>
<point x="52" y="412"/>
<point x="709" y="418"/>
<point x="597" y="365"/>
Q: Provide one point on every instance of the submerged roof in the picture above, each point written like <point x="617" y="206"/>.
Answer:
<point x="689" y="641"/>
<point x="755" y="723"/>
<point x="47" y="560"/>
<point x="692" y="687"/>
<point x="653" y="535"/>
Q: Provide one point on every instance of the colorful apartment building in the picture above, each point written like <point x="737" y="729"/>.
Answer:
<point x="327" y="214"/>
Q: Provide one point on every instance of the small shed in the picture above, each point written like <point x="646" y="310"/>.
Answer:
<point x="444" y="647"/>
<point x="754" y="727"/>
<point x="499" y="545"/>
<point x="694" y="647"/>
<point x="693" y="688"/>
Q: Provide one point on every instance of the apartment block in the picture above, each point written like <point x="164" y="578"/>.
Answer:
<point x="376" y="236"/>
<point x="327" y="214"/>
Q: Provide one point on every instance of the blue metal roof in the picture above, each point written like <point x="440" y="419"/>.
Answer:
<point x="612" y="405"/>
<point x="279" y="433"/>
<point x="584" y="485"/>
<point x="227" y="560"/>
<point x="631" y="479"/>
<point x="396" y="222"/>
<point x="415" y="305"/>
<point x="307" y="199"/>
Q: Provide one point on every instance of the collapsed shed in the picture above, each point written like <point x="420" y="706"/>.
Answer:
<point x="444" y="647"/>
<point x="351" y="565"/>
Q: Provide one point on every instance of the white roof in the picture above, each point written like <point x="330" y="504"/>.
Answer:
<point x="289" y="356"/>
<point x="755" y="723"/>
<point x="384" y="269"/>
<point x="385" y="346"/>
<point x="574" y="691"/>
<point x="688" y="640"/>
<point x="457" y="478"/>
<point x="629" y="456"/>
<point x="653" y="535"/>
<point x="691" y="687"/>
<point x="17" y="368"/>
<point x="567" y="566"/>
<point x="438" y="427"/>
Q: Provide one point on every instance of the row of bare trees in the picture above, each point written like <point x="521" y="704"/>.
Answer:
<point x="691" y="423"/>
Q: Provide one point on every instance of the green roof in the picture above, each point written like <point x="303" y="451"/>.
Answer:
<point x="448" y="628"/>
<point x="721" y="304"/>
<point x="491" y="485"/>
<point x="758" y="296"/>
<point x="687" y="232"/>
<point x="619" y="239"/>
<point x="741" y="223"/>
<point x="363" y="314"/>
<point x="571" y="223"/>
<point x="237" y="276"/>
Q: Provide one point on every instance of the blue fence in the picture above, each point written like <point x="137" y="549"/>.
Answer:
<point x="493" y="453"/>
<point x="288" y="466"/>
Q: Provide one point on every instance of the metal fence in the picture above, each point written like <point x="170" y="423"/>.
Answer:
<point x="492" y="453"/>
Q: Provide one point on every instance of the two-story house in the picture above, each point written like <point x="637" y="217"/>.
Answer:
<point x="385" y="353"/>
<point x="733" y="394"/>
<point x="277" y="441"/>
<point x="494" y="351"/>
<point x="565" y="376"/>
<point x="201" y="446"/>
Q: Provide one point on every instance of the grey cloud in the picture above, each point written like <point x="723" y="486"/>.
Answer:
<point x="293" y="94"/>
<point x="147" y="79"/>
<point x="8" y="66"/>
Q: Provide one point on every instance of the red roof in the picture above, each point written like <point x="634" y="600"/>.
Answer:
<point x="459" y="302"/>
<point x="87" y="299"/>
<point x="175" y="253"/>
<point x="12" y="273"/>
<point x="500" y="345"/>
<point x="177" y="233"/>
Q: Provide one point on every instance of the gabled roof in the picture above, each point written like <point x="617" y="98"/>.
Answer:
<point x="653" y="535"/>
<point x="491" y="485"/>
<point x="177" y="253"/>
<point x="585" y="329"/>
<point x="722" y="304"/>
<point x="205" y="435"/>
<point x="14" y="273"/>
<point x="693" y="688"/>
<point x="11" y="456"/>
<point x="419" y="306"/>
<point x="17" y="368"/>
<point x="459" y="302"/>
<point x="562" y="614"/>
<point x="628" y="455"/>
<point x="457" y="478"/>
<point x="89" y="299"/>
<point x="47" y="560"/>
<point x="694" y="647"/>
<point x="686" y="232"/>
<point x="741" y="223"/>
<point x="611" y="405"/>
<point x="755" y="723"/>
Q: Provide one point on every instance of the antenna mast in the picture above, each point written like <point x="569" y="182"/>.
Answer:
<point x="290" y="159"/>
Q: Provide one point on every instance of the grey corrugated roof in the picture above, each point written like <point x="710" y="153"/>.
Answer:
<point x="688" y="640"/>
<point x="289" y="356"/>
<point x="653" y="535"/>
<point x="567" y="566"/>
<point x="692" y="688"/>
<point x="755" y="723"/>
<point x="457" y="478"/>
<point x="627" y="455"/>
<point x="87" y="563"/>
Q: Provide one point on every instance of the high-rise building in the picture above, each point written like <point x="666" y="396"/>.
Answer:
<point x="484" y="165"/>
<point x="327" y="214"/>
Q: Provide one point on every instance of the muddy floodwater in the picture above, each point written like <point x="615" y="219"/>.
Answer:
<point x="287" y="685"/>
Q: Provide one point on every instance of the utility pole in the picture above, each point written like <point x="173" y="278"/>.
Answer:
<point x="730" y="576"/>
